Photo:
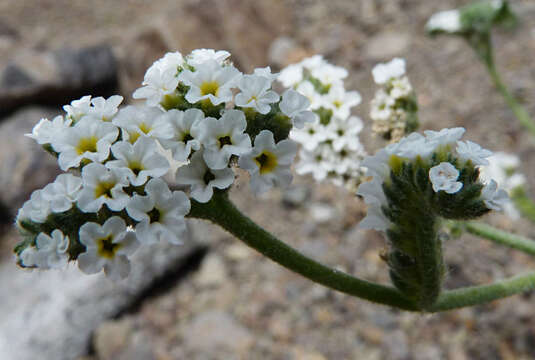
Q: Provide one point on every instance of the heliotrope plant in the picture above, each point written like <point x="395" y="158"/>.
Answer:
<point x="211" y="119"/>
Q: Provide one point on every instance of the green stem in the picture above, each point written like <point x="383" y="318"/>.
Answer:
<point x="501" y="237"/>
<point x="523" y="203"/>
<point x="475" y="295"/>
<point x="484" y="50"/>
<point x="222" y="212"/>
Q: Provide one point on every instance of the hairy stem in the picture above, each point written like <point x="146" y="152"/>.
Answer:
<point x="475" y="295"/>
<point x="222" y="212"/>
<point x="501" y="237"/>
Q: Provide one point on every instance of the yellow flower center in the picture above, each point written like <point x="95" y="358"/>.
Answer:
<point x="106" y="248"/>
<point x="145" y="128"/>
<point x="104" y="189"/>
<point x="337" y="103"/>
<point x="133" y="137"/>
<point x="87" y="144"/>
<point x="209" y="87"/>
<point x="267" y="162"/>
<point x="136" y="167"/>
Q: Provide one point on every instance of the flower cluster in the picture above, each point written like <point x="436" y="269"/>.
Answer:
<point x="330" y="145"/>
<point x="440" y="167"/>
<point x="202" y="111"/>
<point x="394" y="108"/>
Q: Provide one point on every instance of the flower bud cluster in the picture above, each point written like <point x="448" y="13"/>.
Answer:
<point x="415" y="183"/>
<point x="203" y="112"/>
<point x="446" y="173"/>
<point x="393" y="110"/>
<point x="477" y="17"/>
<point x="330" y="147"/>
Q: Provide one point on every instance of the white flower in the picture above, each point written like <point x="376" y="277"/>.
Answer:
<point x="107" y="247"/>
<point x="295" y="105"/>
<point x="503" y="168"/>
<point x="269" y="163"/>
<point x="160" y="213"/>
<point x="310" y="136"/>
<point x="344" y="133"/>
<point x="102" y="186"/>
<point x="401" y="88"/>
<point x="202" y="179"/>
<point x="444" y="177"/>
<point x="141" y="160"/>
<point x="143" y="121"/>
<point x="223" y="138"/>
<point x="78" y="108"/>
<point x="448" y="21"/>
<point x="88" y="139"/>
<point x="49" y="252"/>
<point x="210" y="81"/>
<point x="315" y="98"/>
<point x="105" y="109"/>
<point x="381" y="106"/>
<point x="200" y="56"/>
<point x="158" y="83"/>
<point x="266" y="72"/>
<point x="329" y="74"/>
<point x="493" y="198"/>
<point x="291" y="75"/>
<point x="384" y="72"/>
<point x="37" y="208"/>
<point x="45" y="130"/>
<point x="471" y="151"/>
<point x="62" y="192"/>
<point x="341" y="101"/>
<point x="171" y="60"/>
<point x="374" y="197"/>
<point x="313" y="62"/>
<point x="182" y="142"/>
<point x="444" y="136"/>
<point x="255" y="93"/>
<point x="315" y="162"/>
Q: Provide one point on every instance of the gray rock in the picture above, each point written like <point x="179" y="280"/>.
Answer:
<point x="51" y="315"/>
<point x="24" y="166"/>
<point x="57" y="77"/>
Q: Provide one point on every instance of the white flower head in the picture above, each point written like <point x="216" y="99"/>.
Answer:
<point x="444" y="177"/>
<point x="493" y="198"/>
<point x="183" y="142"/>
<point x="295" y="106"/>
<point x="140" y="160"/>
<point x="107" y="247"/>
<point x="158" y="83"/>
<point x="45" y="130"/>
<point x="105" y="109"/>
<point x="50" y="251"/>
<point x="401" y="88"/>
<point x="202" y="179"/>
<point x="160" y="213"/>
<point x="136" y="121"/>
<point x="471" y="151"/>
<point x="102" y="186"/>
<point x="201" y="56"/>
<point x="210" y="81"/>
<point x="310" y="136"/>
<point x="316" y="100"/>
<point x="503" y="168"/>
<point x="255" y="93"/>
<point x="37" y="208"/>
<point x="62" y="192"/>
<point x="381" y="106"/>
<point x="78" y="108"/>
<point x="444" y="136"/>
<point x="269" y="163"/>
<point x="88" y="139"/>
<point x="447" y="21"/>
<point x="344" y="132"/>
<point x="384" y="72"/>
<point x="315" y="162"/>
<point x="171" y="60"/>
<point x="223" y="138"/>
<point x="374" y="197"/>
